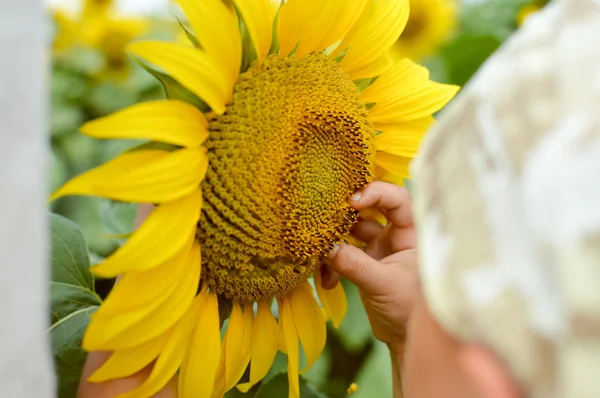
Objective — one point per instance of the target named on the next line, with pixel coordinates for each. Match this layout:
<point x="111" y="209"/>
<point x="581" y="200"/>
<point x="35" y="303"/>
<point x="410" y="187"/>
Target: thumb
<point x="368" y="274"/>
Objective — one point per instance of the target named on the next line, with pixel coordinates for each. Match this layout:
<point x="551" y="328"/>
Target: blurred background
<point x="92" y="77"/>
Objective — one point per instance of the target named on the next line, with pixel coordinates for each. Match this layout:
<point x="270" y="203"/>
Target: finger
<point x="143" y="211"/>
<point x="359" y="268"/>
<point x="329" y="277"/>
<point x="366" y="230"/>
<point x="386" y="197"/>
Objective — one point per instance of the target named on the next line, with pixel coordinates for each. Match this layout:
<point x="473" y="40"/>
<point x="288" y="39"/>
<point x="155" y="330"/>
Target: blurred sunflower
<point x="429" y="25"/>
<point x="97" y="27"/>
<point x="300" y="111"/>
<point x="530" y="9"/>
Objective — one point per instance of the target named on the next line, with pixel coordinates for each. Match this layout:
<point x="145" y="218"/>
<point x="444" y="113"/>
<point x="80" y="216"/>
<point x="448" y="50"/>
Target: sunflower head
<point x="429" y="25"/>
<point x="301" y="121"/>
<point x="271" y="125"/>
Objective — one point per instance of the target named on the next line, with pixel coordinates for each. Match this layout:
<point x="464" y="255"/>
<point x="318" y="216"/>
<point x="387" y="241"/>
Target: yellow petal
<point x="402" y="77"/>
<point x="333" y="301"/>
<point x="294" y="18"/>
<point x="258" y="16"/>
<point x="373" y="69"/>
<point x="172" y="355"/>
<point x="170" y="121"/>
<point x="398" y="165"/>
<point x="108" y="332"/>
<point x="136" y="290"/>
<point x="309" y="322"/>
<point x="216" y="27"/>
<point x="237" y="347"/>
<point x="166" y="230"/>
<point x="191" y="67"/>
<point x="142" y="177"/>
<point x="235" y="351"/>
<point x="280" y="335"/>
<point x="403" y="139"/>
<point x="291" y="344"/>
<point x="423" y="124"/>
<point x="345" y="16"/>
<point x="197" y="376"/>
<point x="378" y="28"/>
<point x="309" y="33"/>
<point x="405" y="93"/>
<point x="123" y="363"/>
<point x="264" y="345"/>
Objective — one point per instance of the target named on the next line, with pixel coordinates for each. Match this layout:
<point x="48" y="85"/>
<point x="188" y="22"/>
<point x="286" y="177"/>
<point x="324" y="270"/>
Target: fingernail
<point x="333" y="251"/>
<point x="356" y="197"/>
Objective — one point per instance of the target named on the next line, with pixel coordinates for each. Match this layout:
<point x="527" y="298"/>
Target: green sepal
<point x="275" y="43"/>
<point x="153" y="145"/>
<point x="248" y="51"/>
<point x="192" y="37"/>
<point x="174" y="90"/>
<point x="363" y="84"/>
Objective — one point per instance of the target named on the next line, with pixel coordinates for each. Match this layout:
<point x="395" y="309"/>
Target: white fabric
<point x="25" y="360"/>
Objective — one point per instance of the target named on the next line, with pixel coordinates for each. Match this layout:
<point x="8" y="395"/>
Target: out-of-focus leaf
<point x="277" y="387"/>
<point x="317" y="375"/>
<point x="491" y="17"/>
<point x="85" y="60"/>
<point x="108" y="97"/>
<point x="113" y="148"/>
<point x="437" y="68"/>
<point x="73" y="300"/>
<point x="67" y="85"/>
<point x="65" y="118"/>
<point x="466" y="54"/>
<point x="355" y="330"/>
<point x="116" y="218"/>
<point x="375" y="377"/>
<point x="81" y="151"/>
<point x="84" y="211"/>
<point x="59" y="171"/>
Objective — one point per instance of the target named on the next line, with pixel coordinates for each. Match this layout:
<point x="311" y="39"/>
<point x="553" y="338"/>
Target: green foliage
<point x="277" y="387"/>
<point x="73" y="300"/>
<point x="465" y="55"/>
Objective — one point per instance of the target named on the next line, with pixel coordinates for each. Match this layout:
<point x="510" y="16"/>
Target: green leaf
<point x="277" y="387"/>
<point x="70" y="258"/>
<point x="108" y="97"/>
<point x="73" y="300"/>
<point x="117" y="218"/>
<point x="466" y="54"/>
<point x="355" y="330"/>
<point x="65" y="118"/>
<point x="375" y="377"/>
<point x="491" y="17"/>
<point x="69" y="358"/>
<point x="59" y="171"/>
<point x="174" y="90"/>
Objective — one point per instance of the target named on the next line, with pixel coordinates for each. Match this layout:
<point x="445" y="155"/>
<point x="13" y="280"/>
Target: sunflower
<point x="98" y="28"/>
<point x="289" y="112"/>
<point x="429" y="25"/>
